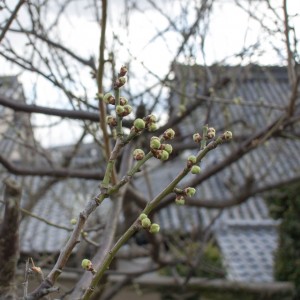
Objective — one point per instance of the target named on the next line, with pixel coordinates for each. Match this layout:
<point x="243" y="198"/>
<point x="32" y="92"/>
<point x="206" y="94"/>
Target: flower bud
<point x="180" y="200"/>
<point x="154" y="228"/>
<point x="164" y="155"/>
<point x="227" y="135"/>
<point x="197" y="137"/>
<point x="111" y="121"/>
<point x="123" y="101"/>
<point x="123" y="71"/>
<point x="139" y="124"/>
<point x="119" y="110"/>
<point x="120" y="82"/>
<point x="146" y="223"/>
<point x="142" y="217"/>
<point x="109" y="98"/>
<point x="152" y="127"/>
<point x="155" y="142"/>
<point x="138" y="154"/>
<point x="151" y="118"/>
<point x="211" y="129"/>
<point x="192" y="159"/>
<point x="127" y="110"/>
<point x="87" y="264"/>
<point x="169" y="134"/>
<point x="190" y="191"/>
<point x="73" y="221"/>
<point x="211" y="133"/>
<point x="168" y="148"/>
<point x="195" y="170"/>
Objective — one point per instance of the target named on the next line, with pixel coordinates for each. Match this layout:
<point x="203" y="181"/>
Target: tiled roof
<point x="61" y="203"/>
<point x="247" y="251"/>
<point x="254" y="97"/>
<point x="63" y="200"/>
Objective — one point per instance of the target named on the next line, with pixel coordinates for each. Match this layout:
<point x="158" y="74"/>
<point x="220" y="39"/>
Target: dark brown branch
<point x="64" y="113"/>
<point x="9" y="240"/>
<point x="59" y="172"/>
<point x="10" y="20"/>
<point x="293" y="76"/>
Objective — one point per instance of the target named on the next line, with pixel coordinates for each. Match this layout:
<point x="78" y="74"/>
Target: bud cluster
<point x="122" y="108"/>
<point x="146" y="223"/>
<point x="150" y="121"/>
<point x="159" y="150"/>
<point x="181" y="195"/>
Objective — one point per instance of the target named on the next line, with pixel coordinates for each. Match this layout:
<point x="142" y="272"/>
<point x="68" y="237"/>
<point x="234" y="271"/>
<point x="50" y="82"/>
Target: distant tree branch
<point x="64" y="113"/>
<point x="44" y="171"/>
<point x="10" y="20"/>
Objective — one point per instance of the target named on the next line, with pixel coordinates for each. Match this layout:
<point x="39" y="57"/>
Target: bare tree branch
<point x="10" y="20"/>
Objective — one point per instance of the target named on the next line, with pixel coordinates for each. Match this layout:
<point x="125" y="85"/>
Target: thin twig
<point x="10" y="20"/>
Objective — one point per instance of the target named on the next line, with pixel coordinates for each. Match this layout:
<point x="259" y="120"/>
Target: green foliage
<point x="211" y="260"/>
<point x="286" y="207"/>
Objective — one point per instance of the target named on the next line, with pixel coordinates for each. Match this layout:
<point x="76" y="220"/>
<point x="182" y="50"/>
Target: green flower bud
<point x="164" y="155"/>
<point x="169" y="134"/>
<point x="180" y="200"/>
<point x="111" y="121"/>
<point x="146" y="223"/>
<point x="138" y="154"/>
<point x="195" y="170"/>
<point x="127" y="110"/>
<point x="142" y="217"/>
<point x="86" y="264"/>
<point x="197" y="137"/>
<point x="154" y="228"/>
<point x="120" y="81"/>
<point x="119" y="110"/>
<point x="109" y="98"/>
<point x="155" y="142"/>
<point x="192" y="159"/>
<point x="152" y="127"/>
<point x="227" y="135"/>
<point x="139" y="124"/>
<point x="151" y="118"/>
<point x="168" y="148"/>
<point x="190" y="191"/>
<point x="123" y="101"/>
<point x="73" y="221"/>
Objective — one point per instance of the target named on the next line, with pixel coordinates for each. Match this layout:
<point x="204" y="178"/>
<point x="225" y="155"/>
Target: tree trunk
<point x="9" y="240"/>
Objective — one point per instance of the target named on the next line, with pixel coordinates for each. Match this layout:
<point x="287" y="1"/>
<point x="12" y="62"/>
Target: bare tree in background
<point x="79" y="81"/>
